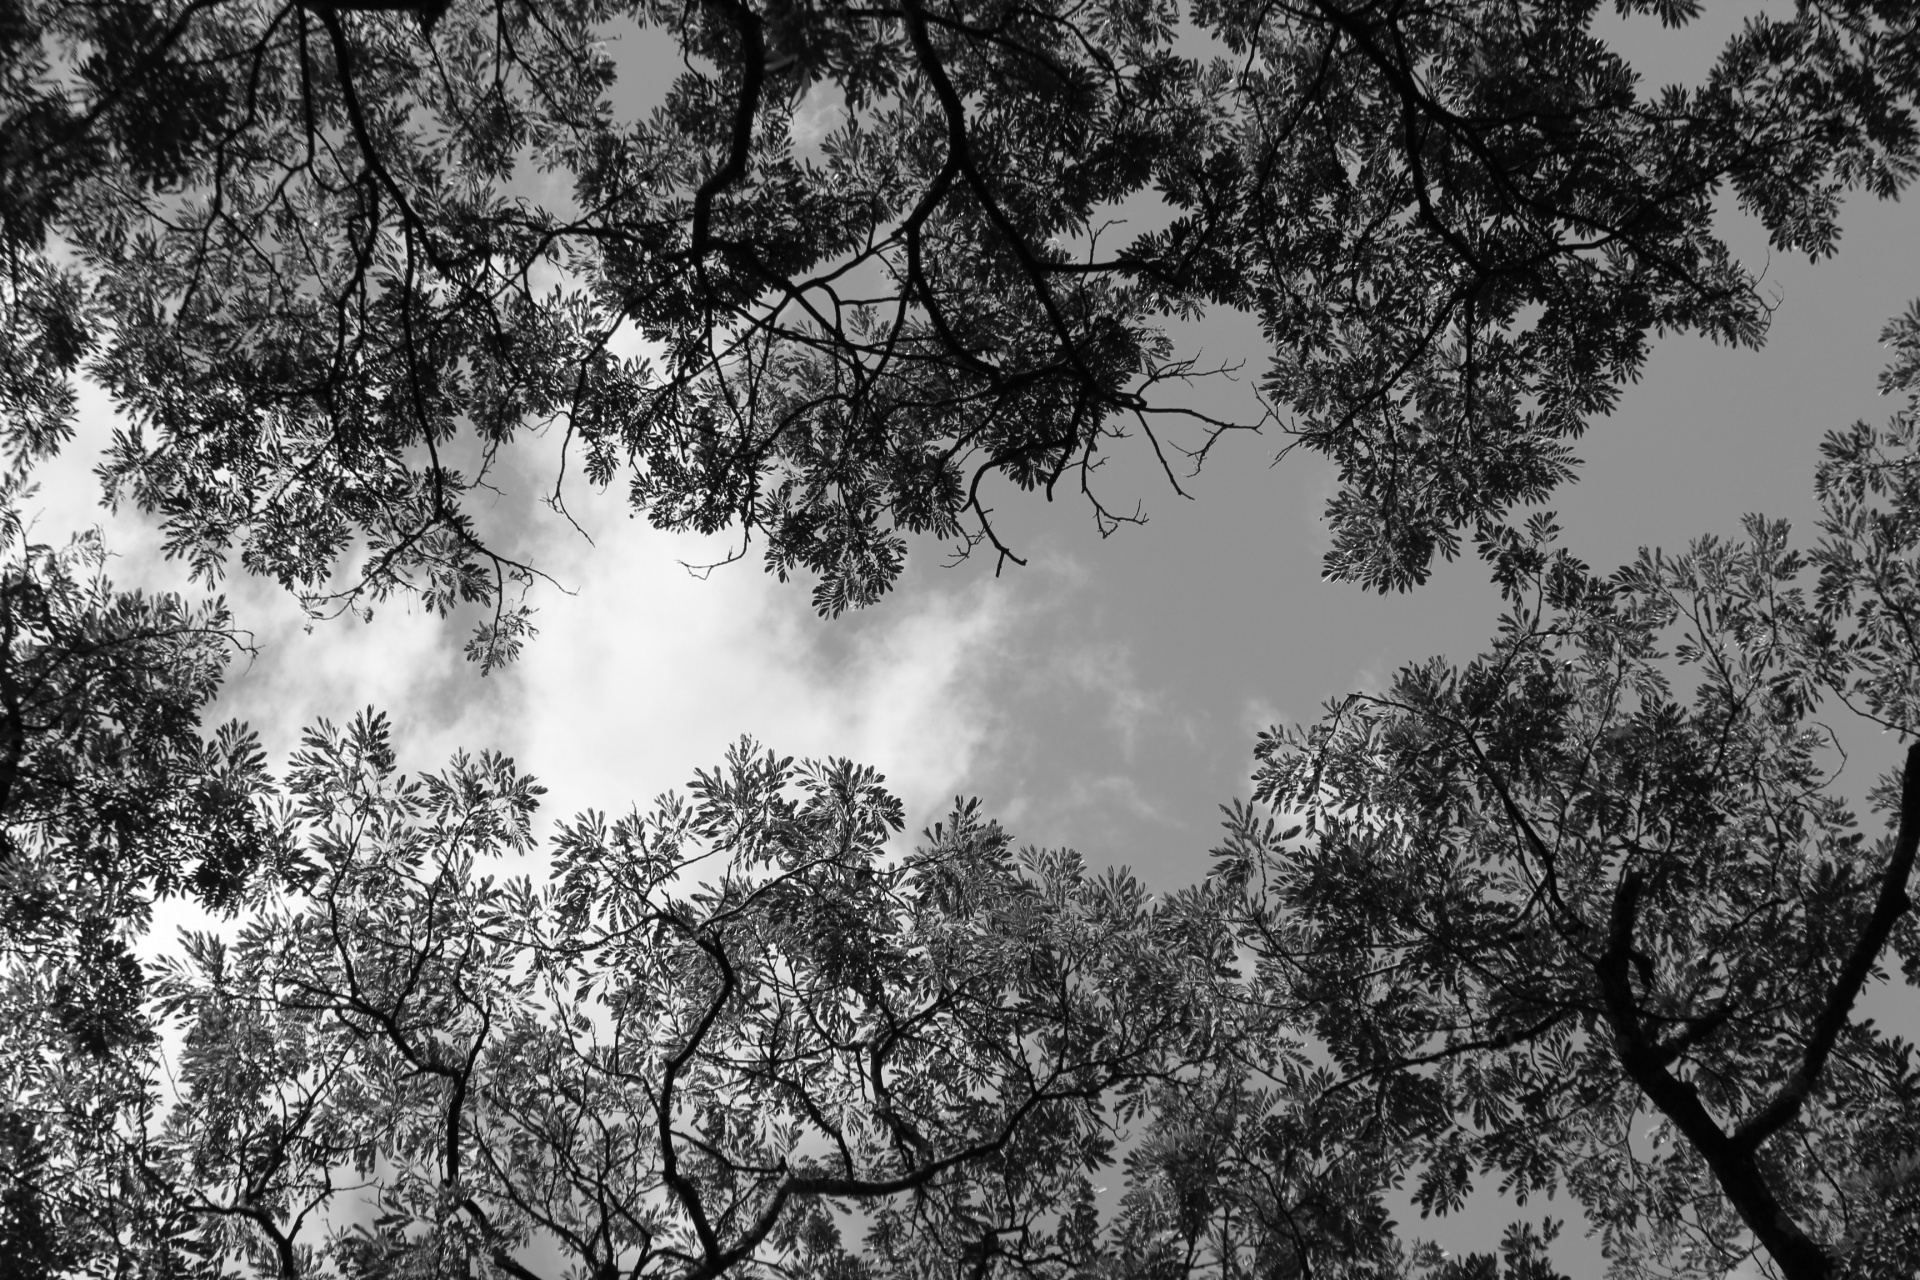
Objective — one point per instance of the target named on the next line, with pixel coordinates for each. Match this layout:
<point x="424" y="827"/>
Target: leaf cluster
<point x="1590" y="914"/>
<point x="109" y="799"/>
<point x="409" y="1065"/>
<point x="333" y="260"/>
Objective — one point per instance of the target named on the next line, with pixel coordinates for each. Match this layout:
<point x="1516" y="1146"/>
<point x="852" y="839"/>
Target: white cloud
<point x="641" y="675"/>
<point x="647" y="672"/>
<point x="818" y="114"/>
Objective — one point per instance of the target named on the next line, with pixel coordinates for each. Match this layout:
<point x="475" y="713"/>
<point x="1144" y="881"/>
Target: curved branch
<point x="753" y="72"/>
<point x="1733" y="1164"/>
<point x="1891" y="904"/>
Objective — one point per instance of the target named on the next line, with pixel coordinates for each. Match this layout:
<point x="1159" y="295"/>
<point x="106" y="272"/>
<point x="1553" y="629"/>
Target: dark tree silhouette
<point x="333" y="258"/>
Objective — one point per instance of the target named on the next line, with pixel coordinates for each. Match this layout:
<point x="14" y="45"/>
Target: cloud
<point x="1105" y="670"/>
<point x="1258" y="714"/>
<point x="646" y="672"/>
<point x="643" y="673"/>
<point x="404" y="662"/>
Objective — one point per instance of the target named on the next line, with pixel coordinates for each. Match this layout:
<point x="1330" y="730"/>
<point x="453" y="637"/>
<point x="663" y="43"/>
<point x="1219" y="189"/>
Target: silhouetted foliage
<point x="332" y="259"/>
<point x="1590" y="913"/>
<point x="109" y="798"/>
<point x="648" y="1077"/>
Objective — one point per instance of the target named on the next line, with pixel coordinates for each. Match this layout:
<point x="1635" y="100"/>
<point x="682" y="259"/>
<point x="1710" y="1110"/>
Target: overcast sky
<point x="1108" y="695"/>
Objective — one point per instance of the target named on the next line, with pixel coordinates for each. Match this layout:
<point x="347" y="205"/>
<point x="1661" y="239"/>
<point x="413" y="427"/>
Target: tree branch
<point x="753" y="72"/>
<point x="1887" y="910"/>
<point x="1734" y="1166"/>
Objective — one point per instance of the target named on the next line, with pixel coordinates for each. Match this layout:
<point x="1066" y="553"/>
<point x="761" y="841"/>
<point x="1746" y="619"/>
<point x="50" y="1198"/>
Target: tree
<point x="109" y="798"/>
<point x="304" y="247"/>
<point x="402" y="1063"/>
<point x="405" y="1065"/>
<point x="1604" y="875"/>
<point x="1601" y="878"/>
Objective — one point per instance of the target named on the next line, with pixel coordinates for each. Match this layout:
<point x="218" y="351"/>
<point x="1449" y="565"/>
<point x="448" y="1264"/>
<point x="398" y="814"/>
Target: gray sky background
<point x="1108" y="695"/>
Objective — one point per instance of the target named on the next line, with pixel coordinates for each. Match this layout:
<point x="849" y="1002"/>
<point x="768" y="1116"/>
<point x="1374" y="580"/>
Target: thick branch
<point x="960" y="152"/>
<point x="682" y="1186"/>
<point x="753" y="71"/>
<point x="1887" y="910"/>
<point x="1734" y="1166"/>
<point x="497" y="1244"/>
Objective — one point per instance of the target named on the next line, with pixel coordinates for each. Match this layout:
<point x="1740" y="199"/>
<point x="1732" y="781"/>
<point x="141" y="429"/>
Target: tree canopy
<point x="1590" y="916"/>
<point x="859" y="267"/>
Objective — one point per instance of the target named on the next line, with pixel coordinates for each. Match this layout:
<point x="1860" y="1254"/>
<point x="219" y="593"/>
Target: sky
<point x="1106" y="696"/>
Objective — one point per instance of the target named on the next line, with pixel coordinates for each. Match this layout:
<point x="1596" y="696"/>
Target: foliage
<point x="109" y="798"/>
<point x="410" y="1066"/>
<point x="332" y="260"/>
<point x="1592" y="914"/>
<point x="1589" y="915"/>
